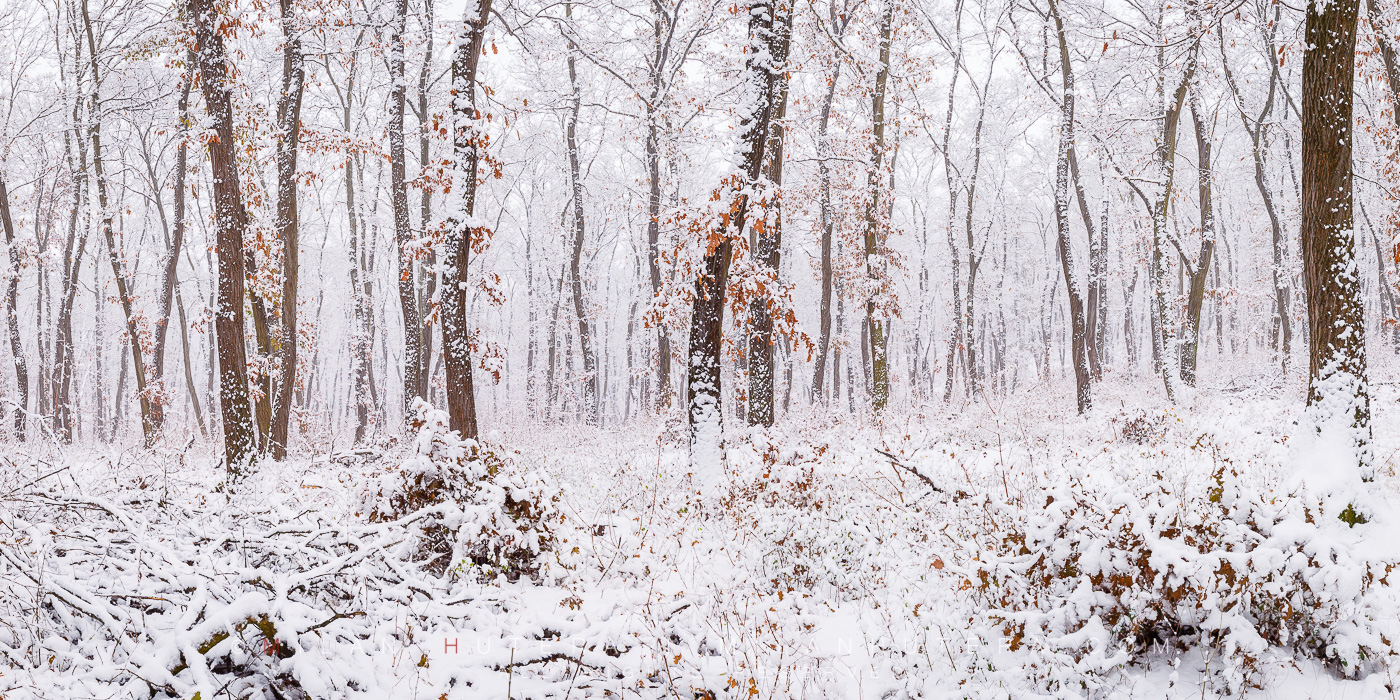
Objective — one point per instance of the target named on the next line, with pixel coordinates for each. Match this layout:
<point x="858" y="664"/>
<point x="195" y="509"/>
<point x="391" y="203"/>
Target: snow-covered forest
<point x="699" y="349"/>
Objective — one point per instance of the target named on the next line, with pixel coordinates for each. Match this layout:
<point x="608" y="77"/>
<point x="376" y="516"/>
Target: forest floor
<point x="1003" y="548"/>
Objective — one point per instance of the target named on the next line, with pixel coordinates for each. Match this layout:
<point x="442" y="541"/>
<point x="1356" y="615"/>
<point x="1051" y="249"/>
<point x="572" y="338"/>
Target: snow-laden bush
<point x="494" y="520"/>
<point x="1091" y="572"/>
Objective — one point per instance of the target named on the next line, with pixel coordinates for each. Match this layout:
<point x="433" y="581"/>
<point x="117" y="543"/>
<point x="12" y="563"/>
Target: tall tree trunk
<point x="767" y="246"/>
<point x="1339" y="403"/>
<point x="413" y="371"/>
<point x="426" y="201"/>
<point x="876" y="229"/>
<point x="585" y="335"/>
<point x="703" y="386"/>
<point x="72" y="264"/>
<point x="1197" y="271"/>
<point x="231" y="219"/>
<point x="828" y="216"/>
<point x="12" y="313"/>
<point x="289" y="124"/>
<point x="1162" y="337"/>
<point x="1079" y="332"/>
<point x="124" y="294"/>
<point x="461" y="225"/>
<point x="169" y="280"/>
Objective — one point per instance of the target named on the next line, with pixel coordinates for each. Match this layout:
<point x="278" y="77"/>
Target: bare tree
<point x="124" y="294"/>
<point x="289" y="139"/>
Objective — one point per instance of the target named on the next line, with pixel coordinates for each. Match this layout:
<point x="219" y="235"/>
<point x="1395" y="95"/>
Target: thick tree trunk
<point x="1338" y="400"/>
<point x="231" y="219"/>
<point x="461" y="225"/>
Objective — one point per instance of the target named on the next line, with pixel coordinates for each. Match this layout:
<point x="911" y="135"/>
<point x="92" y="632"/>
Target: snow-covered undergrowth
<point x="1006" y="550"/>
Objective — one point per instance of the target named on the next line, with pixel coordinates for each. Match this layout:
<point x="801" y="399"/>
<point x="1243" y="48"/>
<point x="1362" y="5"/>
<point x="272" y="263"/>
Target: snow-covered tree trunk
<point x="1339" y="406"/>
<point x="230" y="218"/>
<point x="1079" y="332"/>
<point x="461" y="225"/>
<point x="12" y="313"/>
<point x="763" y="78"/>
<point x="874" y="235"/>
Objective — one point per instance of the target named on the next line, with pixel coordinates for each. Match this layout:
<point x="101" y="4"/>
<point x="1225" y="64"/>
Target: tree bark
<point x="585" y="334"/>
<point x="1197" y="271"/>
<point x="767" y="247"/>
<point x="462" y="228"/>
<point x="231" y="219"/>
<point x="169" y="279"/>
<point x="288" y="224"/>
<point x="413" y="371"/>
<point x="1079" y="334"/>
<point x="875" y="226"/>
<point x="148" y="428"/>
<point x="1338" y="399"/>
<point x="12" y="314"/>
<point x="703" y="385"/>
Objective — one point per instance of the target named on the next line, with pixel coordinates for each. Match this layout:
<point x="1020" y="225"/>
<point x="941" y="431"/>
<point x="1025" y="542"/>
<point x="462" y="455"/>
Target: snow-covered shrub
<point x="1091" y="572"/>
<point x="483" y="514"/>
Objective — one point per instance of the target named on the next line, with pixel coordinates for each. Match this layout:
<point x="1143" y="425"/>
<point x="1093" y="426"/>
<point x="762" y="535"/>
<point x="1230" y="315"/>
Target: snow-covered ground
<point x="1007" y="548"/>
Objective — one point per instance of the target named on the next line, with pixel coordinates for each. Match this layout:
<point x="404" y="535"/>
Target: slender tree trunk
<point x="1339" y="403"/>
<point x="288" y="224"/>
<point x="426" y="202"/>
<point x="828" y="220"/>
<point x="12" y="314"/>
<point x="169" y="280"/>
<point x="1079" y="333"/>
<point x="148" y="429"/>
<point x="413" y="370"/>
<point x="585" y="335"/>
<point x="231" y="219"/>
<point x="1198" y="271"/>
<point x="875" y="228"/>
<point x="462" y="227"/>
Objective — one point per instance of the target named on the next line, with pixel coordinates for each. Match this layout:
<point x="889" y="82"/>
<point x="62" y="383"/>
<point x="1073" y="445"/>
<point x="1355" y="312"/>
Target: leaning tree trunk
<point x="763" y="82"/>
<point x="875" y="227"/>
<point x="461" y="226"/>
<point x="240" y="439"/>
<point x="1079" y="333"/>
<point x="1339" y="404"/>
<point x="289" y="124"/>
<point x="767" y="247"/>
<point x="12" y="313"/>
